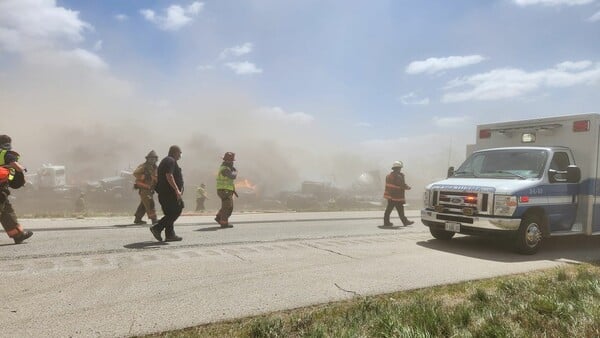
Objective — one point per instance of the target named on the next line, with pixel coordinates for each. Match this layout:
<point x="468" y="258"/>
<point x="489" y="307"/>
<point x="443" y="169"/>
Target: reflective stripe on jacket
<point x="394" y="187"/>
<point x="224" y="182"/>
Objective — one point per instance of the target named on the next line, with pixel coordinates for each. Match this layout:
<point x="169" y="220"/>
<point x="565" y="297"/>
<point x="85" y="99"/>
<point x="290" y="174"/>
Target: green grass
<point x="561" y="302"/>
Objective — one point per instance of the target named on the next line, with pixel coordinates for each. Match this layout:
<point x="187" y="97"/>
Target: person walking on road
<point x="169" y="187"/>
<point x="145" y="182"/>
<point x="226" y="189"/>
<point x="80" y="208"/>
<point x="201" y="196"/>
<point x="395" y="186"/>
<point x="11" y="176"/>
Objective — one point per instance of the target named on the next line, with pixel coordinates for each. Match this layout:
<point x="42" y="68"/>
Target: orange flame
<point x="245" y="183"/>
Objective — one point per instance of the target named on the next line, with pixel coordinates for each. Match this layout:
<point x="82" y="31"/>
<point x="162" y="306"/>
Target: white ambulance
<point x="528" y="179"/>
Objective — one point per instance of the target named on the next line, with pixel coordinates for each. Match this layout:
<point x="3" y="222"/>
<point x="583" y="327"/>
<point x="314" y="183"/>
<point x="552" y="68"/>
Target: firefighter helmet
<point x="5" y="142"/>
<point x="229" y="157"/>
<point x="152" y="153"/>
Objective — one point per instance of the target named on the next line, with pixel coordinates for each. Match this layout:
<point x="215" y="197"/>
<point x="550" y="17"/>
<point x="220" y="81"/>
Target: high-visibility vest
<point x="224" y="182"/>
<point x="200" y="192"/>
<point x="11" y="171"/>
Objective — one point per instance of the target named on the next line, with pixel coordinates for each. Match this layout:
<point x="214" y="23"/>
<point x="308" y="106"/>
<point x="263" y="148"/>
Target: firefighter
<point x="145" y="182"/>
<point x="226" y="189"/>
<point x="80" y="208"/>
<point x="395" y="186"/>
<point x="201" y="196"/>
<point x="11" y="175"/>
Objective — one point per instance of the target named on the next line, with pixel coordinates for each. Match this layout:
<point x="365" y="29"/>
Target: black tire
<point x="441" y="234"/>
<point x="529" y="236"/>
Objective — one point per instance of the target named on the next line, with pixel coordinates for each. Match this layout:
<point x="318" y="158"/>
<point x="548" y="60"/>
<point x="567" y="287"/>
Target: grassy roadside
<point x="561" y="302"/>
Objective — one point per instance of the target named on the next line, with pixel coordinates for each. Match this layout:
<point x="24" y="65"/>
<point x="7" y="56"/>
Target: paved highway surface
<point x="106" y="277"/>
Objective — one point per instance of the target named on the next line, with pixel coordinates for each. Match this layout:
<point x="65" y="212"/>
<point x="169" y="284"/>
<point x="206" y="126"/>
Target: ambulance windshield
<point x="505" y="164"/>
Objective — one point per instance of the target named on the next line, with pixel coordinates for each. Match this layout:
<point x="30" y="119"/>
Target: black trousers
<point x="388" y="210"/>
<point x="171" y="209"/>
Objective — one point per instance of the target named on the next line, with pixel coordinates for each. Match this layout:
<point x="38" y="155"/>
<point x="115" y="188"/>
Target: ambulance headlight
<point x="505" y="205"/>
<point x="426" y="200"/>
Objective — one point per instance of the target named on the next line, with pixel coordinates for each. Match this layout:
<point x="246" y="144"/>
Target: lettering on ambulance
<point x="463" y="188"/>
<point x="557" y="201"/>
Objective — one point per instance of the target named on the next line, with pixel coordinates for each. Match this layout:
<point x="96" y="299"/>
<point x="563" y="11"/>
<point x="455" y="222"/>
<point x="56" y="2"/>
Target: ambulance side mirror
<point x="450" y="172"/>
<point x="573" y="174"/>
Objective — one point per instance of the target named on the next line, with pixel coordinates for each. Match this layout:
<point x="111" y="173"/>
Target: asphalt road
<point x="106" y="277"/>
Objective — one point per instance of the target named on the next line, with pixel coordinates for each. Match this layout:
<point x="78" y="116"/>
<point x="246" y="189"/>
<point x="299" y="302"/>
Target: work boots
<point x="139" y="221"/>
<point x="224" y="222"/>
<point x="156" y="232"/>
<point x="23" y="236"/>
<point x="173" y="238"/>
<point x="170" y="235"/>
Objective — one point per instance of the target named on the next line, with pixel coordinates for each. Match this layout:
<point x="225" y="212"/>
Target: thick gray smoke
<point x="97" y="125"/>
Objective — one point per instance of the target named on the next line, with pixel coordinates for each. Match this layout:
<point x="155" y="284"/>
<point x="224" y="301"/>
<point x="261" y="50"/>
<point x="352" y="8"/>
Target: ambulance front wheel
<point x="441" y="234"/>
<point x="529" y="235"/>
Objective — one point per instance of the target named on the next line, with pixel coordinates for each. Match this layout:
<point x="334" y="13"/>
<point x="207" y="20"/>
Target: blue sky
<point x="378" y="81"/>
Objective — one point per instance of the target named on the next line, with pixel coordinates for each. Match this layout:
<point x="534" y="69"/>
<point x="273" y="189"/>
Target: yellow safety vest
<point x="224" y="182"/>
<point x="11" y="174"/>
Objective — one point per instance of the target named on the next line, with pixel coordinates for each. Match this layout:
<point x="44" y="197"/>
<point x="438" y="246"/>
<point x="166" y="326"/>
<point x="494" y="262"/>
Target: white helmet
<point x="397" y="164"/>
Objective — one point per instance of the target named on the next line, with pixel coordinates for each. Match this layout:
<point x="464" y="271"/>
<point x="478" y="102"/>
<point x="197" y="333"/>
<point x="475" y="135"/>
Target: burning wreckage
<point x="49" y="191"/>
<point x="364" y="193"/>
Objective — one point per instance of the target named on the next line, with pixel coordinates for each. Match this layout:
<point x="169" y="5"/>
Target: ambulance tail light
<point x="485" y="133"/>
<point x="583" y="125"/>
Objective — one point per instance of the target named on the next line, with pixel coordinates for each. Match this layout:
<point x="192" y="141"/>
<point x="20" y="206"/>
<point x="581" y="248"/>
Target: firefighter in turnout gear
<point x="201" y="196"/>
<point x="395" y="186"/>
<point x="11" y="176"/>
<point x="226" y="189"/>
<point x="145" y="182"/>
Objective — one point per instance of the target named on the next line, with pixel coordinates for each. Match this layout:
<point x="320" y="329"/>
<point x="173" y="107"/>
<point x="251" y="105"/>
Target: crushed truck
<point x="528" y="180"/>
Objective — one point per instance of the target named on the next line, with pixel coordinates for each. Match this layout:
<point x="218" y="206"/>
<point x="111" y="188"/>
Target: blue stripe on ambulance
<point x="557" y="200"/>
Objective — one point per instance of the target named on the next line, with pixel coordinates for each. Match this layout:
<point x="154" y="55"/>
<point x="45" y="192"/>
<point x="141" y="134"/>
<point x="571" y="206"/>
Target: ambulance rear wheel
<point x="529" y="236"/>
<point x="441" y="234"/>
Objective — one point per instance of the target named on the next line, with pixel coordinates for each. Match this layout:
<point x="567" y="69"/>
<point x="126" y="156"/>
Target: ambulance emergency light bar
<point x="529" y="135"/>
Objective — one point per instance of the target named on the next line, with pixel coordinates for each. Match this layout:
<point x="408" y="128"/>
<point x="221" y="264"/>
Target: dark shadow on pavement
<point x="131" y="225"/>
<point x="213" y="228"/>
<point x="393" y="227"/>
<point x="145" y="245"/>
<point x="576" y="247"/>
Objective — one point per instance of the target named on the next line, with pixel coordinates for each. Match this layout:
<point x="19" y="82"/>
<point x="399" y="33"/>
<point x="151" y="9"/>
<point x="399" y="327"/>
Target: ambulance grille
<point x="460" y="202"/>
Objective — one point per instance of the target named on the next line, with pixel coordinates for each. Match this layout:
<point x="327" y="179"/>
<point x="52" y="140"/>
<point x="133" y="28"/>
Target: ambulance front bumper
<point x="433" y="218"/>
